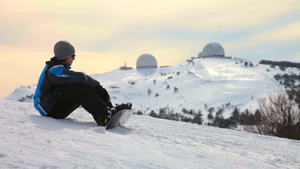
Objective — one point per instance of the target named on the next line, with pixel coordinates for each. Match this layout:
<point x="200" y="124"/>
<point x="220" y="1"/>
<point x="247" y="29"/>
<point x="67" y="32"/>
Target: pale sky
<point x="106" y="34"/>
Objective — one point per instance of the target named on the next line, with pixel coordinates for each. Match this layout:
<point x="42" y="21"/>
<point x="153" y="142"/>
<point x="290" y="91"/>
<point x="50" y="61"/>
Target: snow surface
<point x="32" y="141"/>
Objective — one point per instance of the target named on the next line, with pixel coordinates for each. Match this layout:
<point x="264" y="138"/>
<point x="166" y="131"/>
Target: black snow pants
<point x="77" y="95"/>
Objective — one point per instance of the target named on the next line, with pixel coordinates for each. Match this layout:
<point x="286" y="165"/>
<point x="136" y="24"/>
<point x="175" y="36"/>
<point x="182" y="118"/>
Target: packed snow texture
<point x="32" y="141"/>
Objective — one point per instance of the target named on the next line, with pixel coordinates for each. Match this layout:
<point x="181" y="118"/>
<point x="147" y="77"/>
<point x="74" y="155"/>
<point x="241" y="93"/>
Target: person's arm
<point x="60" y="75"/>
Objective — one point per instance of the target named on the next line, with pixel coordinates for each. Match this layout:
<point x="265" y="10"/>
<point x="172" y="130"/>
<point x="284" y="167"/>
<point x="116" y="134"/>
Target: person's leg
<point x="75" y="96"/>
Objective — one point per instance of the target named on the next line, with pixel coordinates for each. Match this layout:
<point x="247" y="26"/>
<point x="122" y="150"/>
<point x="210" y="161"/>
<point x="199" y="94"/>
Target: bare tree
<point x="279" y="116"/>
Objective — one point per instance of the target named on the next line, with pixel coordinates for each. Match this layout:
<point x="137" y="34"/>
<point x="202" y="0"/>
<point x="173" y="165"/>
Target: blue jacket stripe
<point x="38" y="94"/>
<point x="58" y="71"/>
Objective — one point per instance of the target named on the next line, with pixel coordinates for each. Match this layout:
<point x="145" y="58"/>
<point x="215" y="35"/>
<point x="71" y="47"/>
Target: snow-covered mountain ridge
<point x="194" y="84"/>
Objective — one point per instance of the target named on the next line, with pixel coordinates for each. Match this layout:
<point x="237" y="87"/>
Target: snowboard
<point x="119" y="119"/>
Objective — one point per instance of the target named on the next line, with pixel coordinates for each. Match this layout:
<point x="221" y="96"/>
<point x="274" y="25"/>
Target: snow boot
<point x="104" y="120"/>
<point x="120" y="107"/>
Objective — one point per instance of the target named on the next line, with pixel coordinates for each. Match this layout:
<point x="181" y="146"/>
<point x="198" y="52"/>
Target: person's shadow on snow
<point x="48" y="123"/>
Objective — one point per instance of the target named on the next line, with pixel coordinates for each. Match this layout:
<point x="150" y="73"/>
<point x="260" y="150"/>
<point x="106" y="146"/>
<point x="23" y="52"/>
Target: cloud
<point x="283" y="33"/>
<point x="118" y="31"/>
<point x="244" y="14"/>
<point x="96" y="20"/>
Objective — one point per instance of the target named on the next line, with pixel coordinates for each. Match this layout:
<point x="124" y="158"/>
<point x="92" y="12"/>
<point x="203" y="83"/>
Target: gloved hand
<point x="102" y="93"/>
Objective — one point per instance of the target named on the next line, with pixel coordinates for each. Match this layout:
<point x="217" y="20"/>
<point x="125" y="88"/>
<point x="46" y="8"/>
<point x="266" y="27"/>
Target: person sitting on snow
<point x="60" y="91"/>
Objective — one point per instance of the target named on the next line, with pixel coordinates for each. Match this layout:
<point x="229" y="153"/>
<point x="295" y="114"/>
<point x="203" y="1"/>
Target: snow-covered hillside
<point x="213" y="82"/>
<point x="29" y="140"/>
<point x="194" y="84"/>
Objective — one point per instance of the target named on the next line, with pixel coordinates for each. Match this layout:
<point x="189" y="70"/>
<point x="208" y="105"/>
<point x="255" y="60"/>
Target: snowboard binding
<point x="111" y="112"/>
<point x="120" y="107"/>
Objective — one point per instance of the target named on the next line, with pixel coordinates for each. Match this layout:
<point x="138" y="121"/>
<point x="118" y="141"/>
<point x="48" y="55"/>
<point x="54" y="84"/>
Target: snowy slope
<point x="32" y="141"/>
<point x="214" y="82"/>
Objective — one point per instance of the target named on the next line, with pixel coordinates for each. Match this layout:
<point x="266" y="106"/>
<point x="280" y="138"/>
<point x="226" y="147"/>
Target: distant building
<point x="146" y="61"/>
<point x="164" y="66"/>
<point x="125" y="67"/>
<point x="212" y="50"/>
<point x="200" y="55"/>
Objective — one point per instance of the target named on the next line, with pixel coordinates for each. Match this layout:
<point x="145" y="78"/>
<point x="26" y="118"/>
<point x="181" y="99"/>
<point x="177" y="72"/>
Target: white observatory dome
<point x="213" y="49"/>
<point x="146" y="61"/>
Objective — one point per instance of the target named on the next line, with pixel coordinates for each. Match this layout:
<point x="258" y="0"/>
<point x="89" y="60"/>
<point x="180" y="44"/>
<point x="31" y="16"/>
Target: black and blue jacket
<point x="55" y="78"/>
